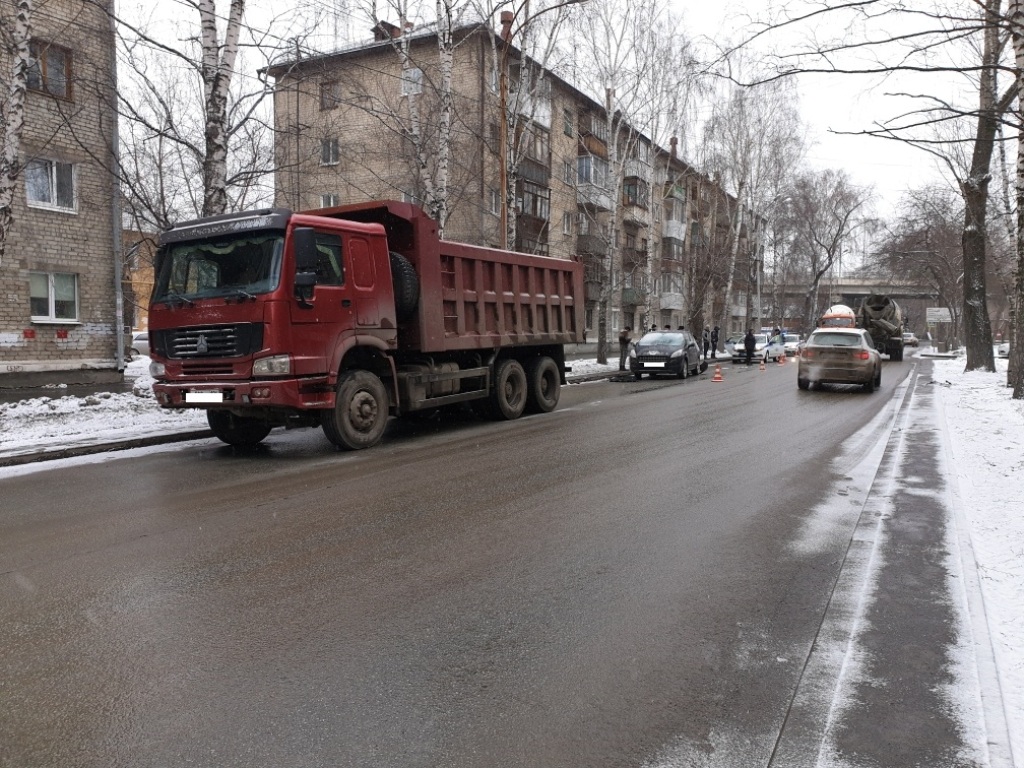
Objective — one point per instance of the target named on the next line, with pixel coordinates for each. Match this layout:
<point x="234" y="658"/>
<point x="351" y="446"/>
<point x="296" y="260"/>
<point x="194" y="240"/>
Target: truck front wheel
<point x="235" y="430"/>
<point x="508" y="397"/>
<point x="360" y="412"/>
<point x="545" y="384"/>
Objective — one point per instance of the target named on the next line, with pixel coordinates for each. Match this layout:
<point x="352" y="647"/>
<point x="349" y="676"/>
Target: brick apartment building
<point x="59" y="312"/>
<point x="642" y="225"/>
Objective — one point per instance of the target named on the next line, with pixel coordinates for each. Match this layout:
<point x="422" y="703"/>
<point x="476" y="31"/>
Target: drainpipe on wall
<point x="115" y="211"/>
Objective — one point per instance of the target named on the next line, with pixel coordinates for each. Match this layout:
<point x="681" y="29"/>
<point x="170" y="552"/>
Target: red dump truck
<point x="340" y="317"/>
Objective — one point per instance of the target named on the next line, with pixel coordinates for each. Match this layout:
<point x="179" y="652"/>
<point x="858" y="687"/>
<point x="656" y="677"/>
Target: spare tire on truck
<point x="406" y="284"/>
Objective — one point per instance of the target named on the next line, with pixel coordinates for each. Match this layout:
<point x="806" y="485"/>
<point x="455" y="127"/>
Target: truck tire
<point x="508" y="395"/>
<point x="234" y="430"/>
<point x="545" y="385"/>
<point x="360" y="412"/>
<point x="406" y="284"/>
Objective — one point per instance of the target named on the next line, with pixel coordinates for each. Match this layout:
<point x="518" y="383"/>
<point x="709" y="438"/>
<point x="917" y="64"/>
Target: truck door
<point x="329" y="313"/>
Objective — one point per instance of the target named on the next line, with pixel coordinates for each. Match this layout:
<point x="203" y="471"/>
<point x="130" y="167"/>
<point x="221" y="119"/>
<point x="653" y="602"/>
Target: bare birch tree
<point x="823" y="206"/>
<point x="929" y="41"/>
<point x="15" y="35"/>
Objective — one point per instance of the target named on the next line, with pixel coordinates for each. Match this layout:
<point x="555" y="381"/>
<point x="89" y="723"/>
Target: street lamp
<point x="507" y="33"/>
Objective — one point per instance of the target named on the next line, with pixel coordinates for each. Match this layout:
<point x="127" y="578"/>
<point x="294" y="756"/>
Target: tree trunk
<point x="1015" y="374"/>
<point x="977" y="328"/>
<point x="14" y="119"/>
<point x="218" y="67"/>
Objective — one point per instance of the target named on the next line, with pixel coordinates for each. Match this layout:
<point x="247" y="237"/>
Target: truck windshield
<point x="230" y="266"/>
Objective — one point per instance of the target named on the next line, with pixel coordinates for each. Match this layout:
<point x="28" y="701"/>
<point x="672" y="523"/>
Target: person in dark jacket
<point x="714" y="341"/>
<point x="749" y="343"/>
<point x="625" y="339"/>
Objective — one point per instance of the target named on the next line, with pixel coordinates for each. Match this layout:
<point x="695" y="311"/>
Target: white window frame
<point x="494" y="201"/>
<point x="412" y="81"/>
<point x="329" y="152"/>
<point x="567" y="219"/>
<point x="51" y="168"/>
<point x="51" y="293"/>
<point x="328" y="200"/>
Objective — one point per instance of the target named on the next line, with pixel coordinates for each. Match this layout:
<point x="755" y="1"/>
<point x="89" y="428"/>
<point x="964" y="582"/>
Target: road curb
<point x="88" y="450"/>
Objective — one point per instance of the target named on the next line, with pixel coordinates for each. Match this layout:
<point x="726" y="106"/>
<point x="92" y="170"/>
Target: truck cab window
<point x="329" y="269"/>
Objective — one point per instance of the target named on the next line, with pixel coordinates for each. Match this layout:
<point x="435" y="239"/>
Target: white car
<point x="140" y="344"/>
<point x="1003" y="350"/>
<point x="792" y="343"/>
<point x="732" y="342"/>
<point x="765" y="348"/>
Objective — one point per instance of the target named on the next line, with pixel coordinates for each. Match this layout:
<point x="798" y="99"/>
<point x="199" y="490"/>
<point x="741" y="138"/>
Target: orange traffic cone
<point x="782" y="359"/>
<point x="761" y="366"/>
<point x="718" y="374"/>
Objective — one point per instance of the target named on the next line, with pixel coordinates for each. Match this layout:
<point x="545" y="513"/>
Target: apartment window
<point x="631" y="241"/>
<point x="568" y="172"/>
<point x="495" y="202"/>
<point x="328" y="200"/>
<point x="591" y="170"/>
<point x="409" y="197"/>
<point x="50" y="184"/>
<point x="537" y="145"/>
<point x="567" y="223"/>
<point x="328" y="152"/>
<point x="536" y="200"/>
<point x="330" y="94"/>
<point x="634" y="192"/>
<point x="584" y="224"/>
<point x="568" y="122"/>
<point x="50" y="69"/>
<point x="53" y="296"/>
<point x="412" y="81"/>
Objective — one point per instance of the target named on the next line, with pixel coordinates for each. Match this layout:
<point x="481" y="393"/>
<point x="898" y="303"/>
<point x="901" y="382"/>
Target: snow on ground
<point x="985" y="436"/>
<point x="57" y="421"/>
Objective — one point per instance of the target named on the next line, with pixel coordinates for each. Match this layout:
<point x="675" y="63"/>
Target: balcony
<point x="595" y="244"/>
<point x="671" y="300"/>
<point x="532" y="170"/>
<point x="592" y="145"/>
<point x="593" y="196"/>
<point x="674" y="229"/>
<point x="634" y="214"/>
<point x="633" y="297"/>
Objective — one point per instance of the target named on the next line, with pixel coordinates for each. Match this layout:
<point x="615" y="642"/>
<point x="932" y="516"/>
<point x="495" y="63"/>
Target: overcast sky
<point x="839" y="103"/>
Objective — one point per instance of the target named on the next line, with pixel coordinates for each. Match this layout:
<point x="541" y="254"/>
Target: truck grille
<point x="210" y="341"/>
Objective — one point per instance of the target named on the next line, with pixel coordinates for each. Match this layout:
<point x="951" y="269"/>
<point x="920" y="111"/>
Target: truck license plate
<point x="204" y="397"/>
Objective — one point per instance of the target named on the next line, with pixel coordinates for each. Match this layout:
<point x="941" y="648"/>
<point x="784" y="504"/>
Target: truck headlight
<point x="157" y="370"/>
<point x="278" y="365"/>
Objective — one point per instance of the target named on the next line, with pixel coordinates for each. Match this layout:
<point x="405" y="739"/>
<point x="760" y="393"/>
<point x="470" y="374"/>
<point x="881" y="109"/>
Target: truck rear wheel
<point x="545" y="385"/>
<point x="508" y="395"/>
<point x="360" y="412"/>
<point x="235" y="430"/>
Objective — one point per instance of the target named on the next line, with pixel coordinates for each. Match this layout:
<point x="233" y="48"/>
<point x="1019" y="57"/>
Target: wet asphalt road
<point x="613" y="584"/>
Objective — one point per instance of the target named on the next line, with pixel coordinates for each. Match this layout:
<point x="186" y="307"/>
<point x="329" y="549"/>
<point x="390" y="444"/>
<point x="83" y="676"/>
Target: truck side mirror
<point x="304" y="248"/>
<point x="306" y="258"/>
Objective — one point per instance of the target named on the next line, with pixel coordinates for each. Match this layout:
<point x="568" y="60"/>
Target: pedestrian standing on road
<point x="749" y="342"/>
<point x="625" y="338"/>
<point x="706" y="338"/>
<point x="714" y="342"/>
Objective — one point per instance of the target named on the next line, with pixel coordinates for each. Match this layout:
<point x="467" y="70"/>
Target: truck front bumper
<point x="297" y="394"/>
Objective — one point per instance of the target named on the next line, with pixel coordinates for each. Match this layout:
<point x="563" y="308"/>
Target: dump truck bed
<point x="472" y="297"/>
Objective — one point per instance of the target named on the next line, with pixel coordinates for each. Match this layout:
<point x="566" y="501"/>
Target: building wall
<point x="375" y="161"/>
<point x="81" y="241"/>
